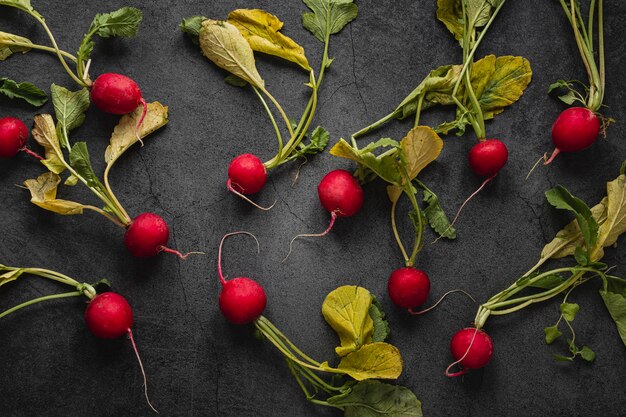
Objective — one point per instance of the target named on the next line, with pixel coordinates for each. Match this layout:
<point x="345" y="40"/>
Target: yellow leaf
<point x="223" y="44"/>
<point x="45" y="134"/>
<point x="124" y="136"/>
<point x="450" y="12"/>
<point x="346" y="310"/>
<point x="8" y="45"/>
<point x="394" y="192"/>
<point x="10" y="276"/>
<point x="420" y="147"/>
<point x="43" y="191"/>
<point x="615" y="223"/>
<point x="373" y="361"/>
<point x="261" y="30"/>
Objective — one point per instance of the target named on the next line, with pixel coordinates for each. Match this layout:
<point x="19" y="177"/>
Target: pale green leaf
<point x="373" y="361"/>
<point x="328" y="16"/>
<point x="386" y="167"/>
<point x="569" y="311"/>
<point x="552" y="333"/>
<point x="613" y="294"/>
<point x="80" y="161"/>
<point x="191" y="26"/>
<point x="615" y="223"/>
<point x="69" y="106"/>
<point x="560" y="198"/>
<point x="10" y="44"/>
<point x="450" y="13"/>
<point x="436" y="216"/>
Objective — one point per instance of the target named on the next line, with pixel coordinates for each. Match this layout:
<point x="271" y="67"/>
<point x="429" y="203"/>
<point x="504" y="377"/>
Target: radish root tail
<point x="333" y="218"/>
<point x="143" y="372"/>
<point x="179" y="254"/>
<point x="144" y="110"/>
<point x="463" y="371"/>
<point x="417" y="313"/>
<point x="219" y="251"/>
<point x="31" y="153"/>
<point x="554" y="155"/>
<point x="232" y="189"/>
<point x="543" y="158"/>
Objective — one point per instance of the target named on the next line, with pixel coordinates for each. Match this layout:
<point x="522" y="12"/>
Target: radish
<point x="341" y="195"/>
<point x="147" y="235"/>
<point x="575" y="129"/>
<point x="408" y="287"/>
<point x="117" y="94"/>
<point x="247" y="175"/>
<point x="242" y="300"/>
<point x="13" y="137"/>
<point x="471" y="348"/>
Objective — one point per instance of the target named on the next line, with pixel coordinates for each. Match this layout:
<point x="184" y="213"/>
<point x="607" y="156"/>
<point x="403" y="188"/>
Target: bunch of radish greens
<point x="584" y="240"/>
<point x="355" y="314"/>
<point x="231" y="44"/>
<point x="578" y="127"/>
<point x="107" y="316"/>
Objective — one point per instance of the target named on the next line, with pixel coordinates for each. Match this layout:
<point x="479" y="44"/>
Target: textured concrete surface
<point x="197" y="364"/>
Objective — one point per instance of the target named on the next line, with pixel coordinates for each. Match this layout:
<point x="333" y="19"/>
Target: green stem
<point x="592" y="9"/>
<point x="286" y="340"/>
<point x="80" y="65"/>
<point x="418" y="110"/>
<point x="272" y="120"/>
<point x="53" y="275"/>
<point x="107" y="215"/>
<point x="40" y="299"/>
<point x="601" y="52"/>
<point x="280" y="110"/>
<point x="39" y="47"/>
<point x="374" y="125"/>
<point x="395" y="232"/>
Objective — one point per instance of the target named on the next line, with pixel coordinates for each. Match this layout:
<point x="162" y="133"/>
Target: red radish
<point x="118" y="94"/>
<point x="471" y="349"/>
<point x="408" y="287"/>
<point x="147" y="235"/>
<point x="575" y="129"/>
<point x="109" y="316"/>
<point x="247" y="175"/>
<point x="13" y="137"/>
<point x="340" y="194"/>
<point x="242" y="300"/>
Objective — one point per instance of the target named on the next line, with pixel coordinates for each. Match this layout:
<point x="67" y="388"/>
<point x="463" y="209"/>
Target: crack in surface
<point x="538" y="216"/>
<point x="151" y="189"/>
<point x="356" y="84"/>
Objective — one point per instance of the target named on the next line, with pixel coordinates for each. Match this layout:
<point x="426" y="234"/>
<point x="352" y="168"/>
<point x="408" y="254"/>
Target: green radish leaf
<point x="552" y="333"/>
<point x="615" y="223"/>
<point x="328" y="17"/>
<point x="317" y="143"/>
<point x="45" y="134"/>
<point x="25" y="91"/>
<point x="43" y="191"/>
<point x="8" y="45"/>
<point x="587" y="354"/>
<point x="436" y="216"/>
<point x="373" y="361"/>
<point x="9" y="276"/>
<point x="346" y="310"/>
<point x="69" y="106"/>
<point x="191" y="26"/>
<point x="80" y="161"/>
<point x="562" y="358"/>
<point x="223" y="44"/>
<point x="381" y="326"/>
<point x="262" y="31"/>
<point x="560" y="198"/>
<point x="581" y="256"/>
<point x="20" y="4"/>
<point x="235" y="81"/>
<point x="377" y="399"/>
<point x="613" y="294"/>
<point x="386" y="167"/>
<point x="124" y="135"/>
<point x="548" y="282"/>
<point x="569" y="311"/>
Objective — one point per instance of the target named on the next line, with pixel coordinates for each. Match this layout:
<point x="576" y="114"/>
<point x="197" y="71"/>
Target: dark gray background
<point x="197" y="364"/>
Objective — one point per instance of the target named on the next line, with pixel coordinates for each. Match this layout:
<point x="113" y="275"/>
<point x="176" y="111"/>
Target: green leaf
<point x="386" y="167"/>
<point x="560" y="198"/>
<point x="587" y="354"/>
<point x="436" y="216"/>
<point x="549" y="281"/>
<point x="317" y="143"/>
<point x="45" y="134"/>
<point x="9" y="276"/>
<point x="381" y="326"/>
<point x="20" y="4"/>
<point x="328" y="17"/>
<point x="124" y="135"/>
<point x="235" y="81"/>
<point x="615" y="223"/>
<point x="43" y="191"/>
<point x="123" y="22"/>
<point x="569" y="311"/>
<point x="191" y="26"/>
<point x="450" y="13"/>
<point x="346" y="310"/>
<point x="572" y="94"/>
<point x="25" y="91"/>
<point x="377" y="399"/>
<point x="80" y="161"/>
<point x="262" y="31"/>
<point x="613" y="294"/>
<point x="562" y="358"/>
<point x="69" y="106"/>
<point x="8" y="45"/>
<point x="223" y="44"/>
<point x="552" y="333"/>
<point x="373" y="361"/>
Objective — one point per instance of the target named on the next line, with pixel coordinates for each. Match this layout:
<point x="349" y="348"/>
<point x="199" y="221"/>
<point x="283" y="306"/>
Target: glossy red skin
<point x="247" y="174"/>
<point x="575" y="129"/>
<point x="242" y="300"/>
<point x="488" y="157"/>
<point x="146" y="235"/>
<point x="13" y="136"/>
<point x="108" y="316"/>
<point x="340" y="192"/>
<point x="479" y="354"/>
<point x="408" y="287"/>
<point x="115" y="93"/>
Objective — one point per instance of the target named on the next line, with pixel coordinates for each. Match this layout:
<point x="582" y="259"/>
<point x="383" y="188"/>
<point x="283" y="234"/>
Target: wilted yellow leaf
<point x="373" y="361"/>
<point x="8" y="45"/>
<point x="420" y="147"/>
<point x="43" y="191"/>
<point x="45" y="134"/>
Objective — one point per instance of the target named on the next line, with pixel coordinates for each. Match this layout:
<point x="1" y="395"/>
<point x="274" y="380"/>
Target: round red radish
<point x="242" y="300"/>
<point x="575" y="129"/>
<point x="146" y="236"/>
<point x="488" y="157"/>
<point x="109" y="316"/>
<point x="116" y="93"/>
<point x="13" y="136"/>
<point x="476" y="356"/>
<point x="340" y="193"/>
<point x="408" y="287"/>
<point x="247" y="174"/>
